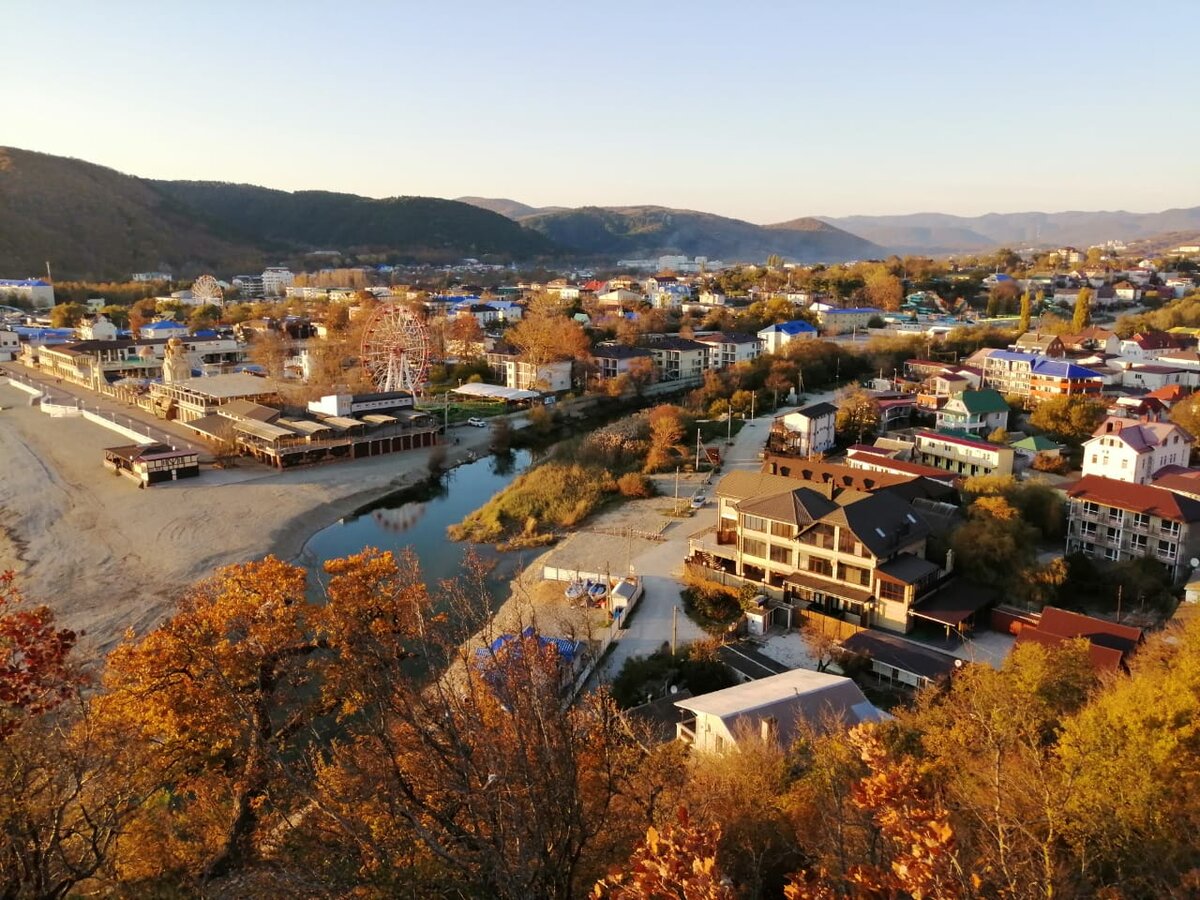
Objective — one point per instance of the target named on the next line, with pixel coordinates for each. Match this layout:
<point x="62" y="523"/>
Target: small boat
<point x="575" y="590"/>
<point x="597" y="590"/>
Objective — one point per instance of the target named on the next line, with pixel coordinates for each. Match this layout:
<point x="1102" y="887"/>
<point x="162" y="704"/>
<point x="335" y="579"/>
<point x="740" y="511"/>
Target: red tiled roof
<point x="888" y="464"/>
<point x="1141" y="498"/>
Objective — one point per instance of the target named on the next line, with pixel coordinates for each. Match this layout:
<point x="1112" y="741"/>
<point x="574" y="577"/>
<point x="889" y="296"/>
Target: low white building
<point x="845" y="321"/>
<point x="1134" y="450"/>
<point x="550" y="377"/>
<point x="38" y="293"/>
<point x="776" y="337"/>
<point x="730" y="348"/>
<point x="10" y="345"/>
<point x="770" y="709"/>
<point x="97" y="329"/>
<point x="276" y="280"/>
<point x="346" y="405"/>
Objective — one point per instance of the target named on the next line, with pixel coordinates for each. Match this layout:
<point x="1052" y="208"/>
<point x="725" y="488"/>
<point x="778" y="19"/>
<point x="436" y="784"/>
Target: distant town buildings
<point x="32" y="291"/>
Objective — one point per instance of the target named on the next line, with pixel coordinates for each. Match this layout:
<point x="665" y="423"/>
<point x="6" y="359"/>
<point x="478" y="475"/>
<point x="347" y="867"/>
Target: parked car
<point x="477" y="422"/>
<point x="698" y="501"/>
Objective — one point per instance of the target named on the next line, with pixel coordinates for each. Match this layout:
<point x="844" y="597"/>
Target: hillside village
<point x="929" y="474"/>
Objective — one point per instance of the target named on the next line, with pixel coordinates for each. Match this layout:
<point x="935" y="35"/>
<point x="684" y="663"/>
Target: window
<point x="855" y="575"/>
<point x="1141" y="520"/>
<point x="783" y="529"/>
<point x="819" y="566"/>
<point x="1090" y="508"/>
<point x="754" y="523"/>
<point x="781" y="554"/>
<point x="1171" y="528"/>
<point x="1088" y="529"/>
<point x="752" y="547"/>
<point x="1138" y="542"/>
<point x="891" y="591"/>
<point x="1111" y="553"/>
<point x="1166" y="549"/>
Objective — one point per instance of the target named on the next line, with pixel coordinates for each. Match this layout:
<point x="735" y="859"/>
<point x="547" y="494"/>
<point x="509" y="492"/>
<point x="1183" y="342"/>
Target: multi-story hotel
<point x="1036" y="378"/>
<point x="856" y="555"/>
<point x="1135" y="450"/>
<point x="1116" y="520"/>
<point x="961" y="455"/>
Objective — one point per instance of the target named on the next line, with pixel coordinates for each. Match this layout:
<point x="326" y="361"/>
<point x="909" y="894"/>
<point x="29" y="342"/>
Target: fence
<point x="728" y="579"/>
<point x="838" y="629"/>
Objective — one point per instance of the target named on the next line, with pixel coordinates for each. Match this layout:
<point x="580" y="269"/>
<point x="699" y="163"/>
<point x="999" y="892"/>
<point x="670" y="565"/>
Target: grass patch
<point x="555" y="495"/>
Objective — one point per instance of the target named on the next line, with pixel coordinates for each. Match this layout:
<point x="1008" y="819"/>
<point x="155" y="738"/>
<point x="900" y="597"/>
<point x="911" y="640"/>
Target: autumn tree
<point x="995" y="544"/>
<point x="858" y="413"/>
<point x="546" y="334"/>
<point x="677" y="864"/>
<point x="67" y="315"/>
<point x="667" y="429"/>
<point x="215" y="704"/>
<point x="1071" y="417"/>
<point x="1026" y="312"/>
<point x="64" y="789"/>
<point x="1083" y="310"/>
<point x="884" y="289"/>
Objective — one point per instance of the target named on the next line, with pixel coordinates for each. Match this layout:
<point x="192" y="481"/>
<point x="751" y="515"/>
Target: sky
<point x="762" y="111"/>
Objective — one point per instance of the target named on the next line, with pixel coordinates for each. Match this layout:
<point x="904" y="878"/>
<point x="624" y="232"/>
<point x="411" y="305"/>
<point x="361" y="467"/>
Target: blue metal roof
<point x="1044" y="366"/>
<point x="23" y="282"/>
<point x="794" y="327"/>
<point x="160" y="326"/>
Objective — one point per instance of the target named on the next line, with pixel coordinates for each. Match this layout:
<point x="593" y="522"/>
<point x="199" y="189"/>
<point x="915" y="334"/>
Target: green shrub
<point x="712" y="605"/>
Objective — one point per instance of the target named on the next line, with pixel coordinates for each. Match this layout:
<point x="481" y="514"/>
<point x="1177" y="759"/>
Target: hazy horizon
<point x="756" y="112"/>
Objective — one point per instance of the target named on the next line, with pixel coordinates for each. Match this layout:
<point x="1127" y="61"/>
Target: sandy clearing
<point x="107" y="556"/>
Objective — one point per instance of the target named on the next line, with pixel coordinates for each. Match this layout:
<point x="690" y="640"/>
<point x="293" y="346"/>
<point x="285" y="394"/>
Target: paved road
<point x="661" y="566"/>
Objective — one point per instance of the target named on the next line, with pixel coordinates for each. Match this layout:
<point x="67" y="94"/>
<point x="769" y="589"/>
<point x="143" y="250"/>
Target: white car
<point x="698" y="501"/>
<point x="477" y="422"/>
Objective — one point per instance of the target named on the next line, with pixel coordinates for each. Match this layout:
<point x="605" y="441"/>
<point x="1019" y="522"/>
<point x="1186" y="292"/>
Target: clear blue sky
<point x="764" y="111"/>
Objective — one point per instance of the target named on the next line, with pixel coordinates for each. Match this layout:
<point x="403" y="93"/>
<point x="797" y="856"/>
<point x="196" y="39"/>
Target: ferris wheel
<point x="395" y="349"/>
<point x="207" y="289"/>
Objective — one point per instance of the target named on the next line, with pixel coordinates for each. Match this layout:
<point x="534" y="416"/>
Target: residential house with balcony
<point x="1117" y="520"/>
<point x="677" y="358"/>
<point x="1135" y="450"/>
<point x="806" y="431"/>
<point x="614" y="360"/>
<point x="1092" y="339"/>
<point x="1150" y="345"/>
<point x="976" y="412"/>
<point x="963" y="456"/>
<point x="1035" y="378"/>
<point x="844" y="552"/>
<point x="730" y="348"/>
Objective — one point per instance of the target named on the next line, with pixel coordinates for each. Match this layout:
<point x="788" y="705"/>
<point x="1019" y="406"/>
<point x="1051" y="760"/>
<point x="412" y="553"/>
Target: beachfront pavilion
<point x="152" y="463"/>
<point x="194" y="398"/>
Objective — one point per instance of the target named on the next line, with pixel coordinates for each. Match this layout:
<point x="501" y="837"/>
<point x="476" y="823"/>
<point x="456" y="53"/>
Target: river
<point x="418" y="518"/>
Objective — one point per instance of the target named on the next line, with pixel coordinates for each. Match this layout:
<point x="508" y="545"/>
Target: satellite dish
<point x="674" y="689"/>
<point x="1193" y="562"/>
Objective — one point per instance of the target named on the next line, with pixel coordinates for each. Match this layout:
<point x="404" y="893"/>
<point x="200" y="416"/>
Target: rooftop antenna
<point x="49" y="277"/>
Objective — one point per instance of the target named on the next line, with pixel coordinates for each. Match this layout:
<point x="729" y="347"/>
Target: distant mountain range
<point x="92" y="222"/>
<point x="937" y="233"/>
<point x="612" y="232"/>
<point x="95" y="223"/>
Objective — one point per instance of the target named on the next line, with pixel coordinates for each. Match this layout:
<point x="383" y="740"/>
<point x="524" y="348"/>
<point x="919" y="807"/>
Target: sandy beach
<point x="108" y="557"/>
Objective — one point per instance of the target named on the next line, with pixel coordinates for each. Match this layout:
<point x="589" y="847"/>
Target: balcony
<point x="686" y="730"/>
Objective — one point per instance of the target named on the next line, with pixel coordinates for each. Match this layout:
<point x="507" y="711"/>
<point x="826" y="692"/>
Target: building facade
<point x="1116" y="521"/>
<point x="1035" y="378"/>
<point x="1135" y="450"/>
<point x="962" y="456"/>
<point x="978" y="412"/>
<point x="806" y="431"/>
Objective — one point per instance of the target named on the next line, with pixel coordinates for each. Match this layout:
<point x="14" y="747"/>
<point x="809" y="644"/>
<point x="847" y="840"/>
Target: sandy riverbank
<point x="107" y="556"/>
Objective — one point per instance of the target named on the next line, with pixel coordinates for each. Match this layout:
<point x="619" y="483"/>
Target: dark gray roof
<point x="881" y="521"/>
<point x="618" y="351"/>
<point x="907" y="568"/>
<point x="818" y="409"/>
<point x="800" y="507"/>
<point x="901" y="654"/>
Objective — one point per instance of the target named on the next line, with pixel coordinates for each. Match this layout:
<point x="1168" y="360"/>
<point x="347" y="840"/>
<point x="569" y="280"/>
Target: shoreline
<point x="107" y="557"/>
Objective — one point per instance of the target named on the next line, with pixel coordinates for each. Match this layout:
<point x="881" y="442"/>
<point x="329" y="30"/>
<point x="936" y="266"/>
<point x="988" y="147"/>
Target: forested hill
<point x="325" y="220"/>
<point x="649" y="231"/>
<point x="92" y="222"/>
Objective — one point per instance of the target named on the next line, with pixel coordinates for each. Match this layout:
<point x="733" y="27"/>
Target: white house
<point x="811" y="429"/>
<point x="10" y="345"/>
<point x="770" y="709"/>
<point x="730" y="348"/>
<point x="551" y="377"/>
<point x="776" y="337"/>
<point x="619" y="298"/>
<point x="1132" y="450"/>
<point x="163" y="328"/>
<point x="276" y="280"/>
<point x="97" y="329"/>
<point x="841" y="321"/>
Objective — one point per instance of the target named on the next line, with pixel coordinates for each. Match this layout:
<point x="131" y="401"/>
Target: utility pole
<point x="674" y="627"/>
<point x="1120" y="588"/>
<point x="676" y="508"/>
<point x="753" y="395"/>
<point x="697" y="448"/>
<point x="729" y="427"/>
